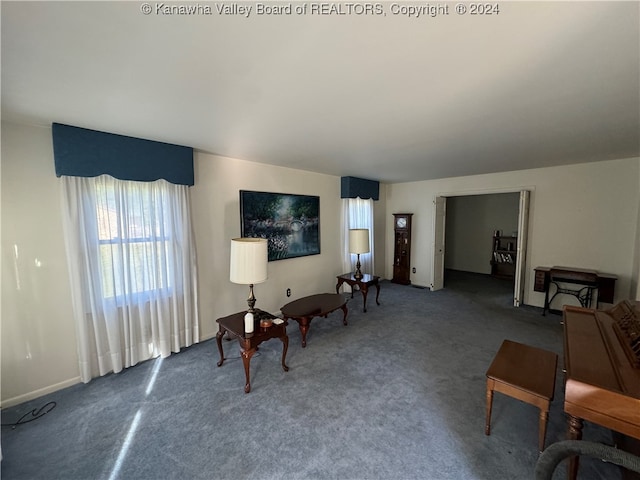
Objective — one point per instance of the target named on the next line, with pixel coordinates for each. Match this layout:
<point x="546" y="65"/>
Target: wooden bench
<point x="525" y="373"/>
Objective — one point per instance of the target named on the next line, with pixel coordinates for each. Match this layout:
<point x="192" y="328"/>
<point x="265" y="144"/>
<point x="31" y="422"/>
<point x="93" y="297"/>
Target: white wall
<point x="581" y="215"/>
<point x="38" y="332"/>
<point x="635" y="284"/>
<point x="216" y="217"/>
<point x="37" y="328"/>
<point x="379" y="220"/>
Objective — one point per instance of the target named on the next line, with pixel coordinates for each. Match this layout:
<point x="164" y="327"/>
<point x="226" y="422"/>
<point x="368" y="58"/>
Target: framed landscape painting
<point x="290" y="223"/>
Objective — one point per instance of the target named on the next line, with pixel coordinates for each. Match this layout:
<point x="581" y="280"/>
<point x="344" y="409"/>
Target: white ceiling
<point x="383" y="97"/>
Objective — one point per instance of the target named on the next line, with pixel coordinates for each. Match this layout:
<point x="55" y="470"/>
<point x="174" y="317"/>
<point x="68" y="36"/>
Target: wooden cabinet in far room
<point x="503" y="259"/>
<point x="402" y="248"/>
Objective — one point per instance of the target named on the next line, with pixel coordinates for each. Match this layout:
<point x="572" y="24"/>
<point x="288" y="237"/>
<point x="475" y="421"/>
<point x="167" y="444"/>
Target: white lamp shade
<point x="248" y="260"/>
<point x="359" y="240"/>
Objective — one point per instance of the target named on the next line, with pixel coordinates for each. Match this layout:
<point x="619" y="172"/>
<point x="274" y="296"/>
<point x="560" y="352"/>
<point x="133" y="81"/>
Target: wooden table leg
<point x="345" y="310"/>
<point x="575" y="433"/>
<point x="339" y="284"/>
<point x="246" y="360"/>
<point x="542" y="427"/>
<point x="364" y="289"/>
<point x="487" y="424"/>
<point x="303" y="323"/>
<point x="377" y="293"/>
<point x="285" y="347"/>
<point x="219" y="335"/>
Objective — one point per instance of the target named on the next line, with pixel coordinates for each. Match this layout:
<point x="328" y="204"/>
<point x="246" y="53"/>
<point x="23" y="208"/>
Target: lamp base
<point x="251" y="301"/>
<point x="358" y="274"/>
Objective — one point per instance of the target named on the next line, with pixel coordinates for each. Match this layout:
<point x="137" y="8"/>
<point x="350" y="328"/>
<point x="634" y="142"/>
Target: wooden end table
<point x="363" y="285"/>
<point x="305" y="309"/>
<point x="234" y="325"/>
<point x="527" y="374"/>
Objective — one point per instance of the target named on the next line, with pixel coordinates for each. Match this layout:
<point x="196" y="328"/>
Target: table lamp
<point x="248" y="266"/>
<point x="358" y="243"/>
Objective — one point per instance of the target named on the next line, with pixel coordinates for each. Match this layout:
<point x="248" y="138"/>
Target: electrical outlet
<point x="414" y="270"/>
<point x="288" y="292"/>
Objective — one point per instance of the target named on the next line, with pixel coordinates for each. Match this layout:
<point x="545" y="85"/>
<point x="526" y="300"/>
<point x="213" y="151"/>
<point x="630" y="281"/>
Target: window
<point x="134" y="240"/>
<point x="357" y="213"/>
<point x="129" y="245"/>
<point x="132" y="267"/>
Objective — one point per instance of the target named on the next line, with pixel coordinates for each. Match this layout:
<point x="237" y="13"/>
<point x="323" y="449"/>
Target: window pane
<point x="134" y="249"/>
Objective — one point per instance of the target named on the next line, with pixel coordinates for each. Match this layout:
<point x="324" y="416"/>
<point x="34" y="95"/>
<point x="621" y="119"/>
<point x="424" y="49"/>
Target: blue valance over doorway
<point x="79" y="152"/>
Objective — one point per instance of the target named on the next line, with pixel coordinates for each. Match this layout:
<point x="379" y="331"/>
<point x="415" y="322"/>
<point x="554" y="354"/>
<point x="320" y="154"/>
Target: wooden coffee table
<point x="305" y="309"/>
<point x="363" y="285"/>
<point x="234" y="326"/>
<point x="527" y="374"/>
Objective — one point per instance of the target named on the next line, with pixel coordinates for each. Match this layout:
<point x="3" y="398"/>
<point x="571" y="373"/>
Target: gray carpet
<point x="399" y="393"/>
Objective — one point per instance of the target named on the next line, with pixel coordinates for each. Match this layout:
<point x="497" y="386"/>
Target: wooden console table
<point x="234" y="325"/>
<point x="363" y="285"/>
<point x="305" y="309"/>
<point x="587" y="280"/>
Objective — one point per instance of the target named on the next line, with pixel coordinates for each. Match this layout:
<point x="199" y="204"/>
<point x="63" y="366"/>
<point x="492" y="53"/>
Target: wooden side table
<point x="527" y="374"/>
<point x="363" y="285"/>
<point x="234" y="325"/>
<point x="305" y="309"/>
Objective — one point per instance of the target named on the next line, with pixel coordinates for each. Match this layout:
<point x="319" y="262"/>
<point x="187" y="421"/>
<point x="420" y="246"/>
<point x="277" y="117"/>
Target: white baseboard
<point x="204" y="338"/>
<point x="10" y="402"/>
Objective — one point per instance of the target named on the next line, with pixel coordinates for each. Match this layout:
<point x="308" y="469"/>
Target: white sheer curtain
<point x="132" y="264"/>
<point x="357" y="213"/>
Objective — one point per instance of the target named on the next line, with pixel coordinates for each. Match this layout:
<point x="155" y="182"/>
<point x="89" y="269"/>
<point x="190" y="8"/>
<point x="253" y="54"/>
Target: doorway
<point x="466" y="228"/>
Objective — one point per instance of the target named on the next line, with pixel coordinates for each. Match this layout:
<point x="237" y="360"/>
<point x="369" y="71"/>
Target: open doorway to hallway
<point x="481" y="237"/>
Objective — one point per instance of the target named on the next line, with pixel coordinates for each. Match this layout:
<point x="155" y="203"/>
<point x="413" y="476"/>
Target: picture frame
<point x="290" y="222"/>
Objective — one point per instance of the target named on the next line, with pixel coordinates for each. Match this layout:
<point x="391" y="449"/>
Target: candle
<point x="248" y="323"/>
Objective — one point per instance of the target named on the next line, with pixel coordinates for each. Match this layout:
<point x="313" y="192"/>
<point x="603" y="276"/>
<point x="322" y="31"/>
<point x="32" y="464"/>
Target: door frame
<point x="439" y="223"/>
<point x="523" y="233"/>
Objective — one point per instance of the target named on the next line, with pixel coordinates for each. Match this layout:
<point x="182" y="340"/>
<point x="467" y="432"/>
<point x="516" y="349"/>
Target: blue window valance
<point x="352" y="187"/>
<point x="79" y="152"/>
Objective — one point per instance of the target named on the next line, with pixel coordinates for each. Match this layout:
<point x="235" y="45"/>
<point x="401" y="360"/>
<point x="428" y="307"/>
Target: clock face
<point x="401" y="222"/>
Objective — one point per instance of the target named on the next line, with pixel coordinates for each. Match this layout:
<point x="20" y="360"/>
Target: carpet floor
<point x="398" y="393"/>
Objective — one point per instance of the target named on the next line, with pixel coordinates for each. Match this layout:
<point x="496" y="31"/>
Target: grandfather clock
<point x="402" y="248"/>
